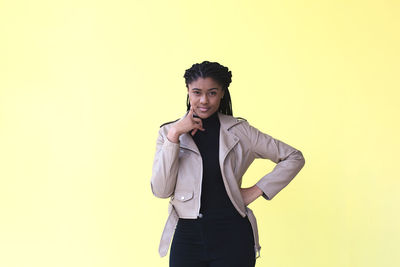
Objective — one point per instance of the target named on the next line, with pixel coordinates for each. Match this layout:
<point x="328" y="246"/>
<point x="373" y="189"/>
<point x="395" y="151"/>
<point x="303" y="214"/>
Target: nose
<point x="204" y="99"/>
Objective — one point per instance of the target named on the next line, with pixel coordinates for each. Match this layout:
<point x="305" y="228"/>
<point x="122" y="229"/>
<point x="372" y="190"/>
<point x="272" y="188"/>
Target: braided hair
<point x="221" y="74"/>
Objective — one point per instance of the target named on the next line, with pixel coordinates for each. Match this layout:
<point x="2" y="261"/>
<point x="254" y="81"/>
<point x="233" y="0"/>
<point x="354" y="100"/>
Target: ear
<point x="223" y="93"/>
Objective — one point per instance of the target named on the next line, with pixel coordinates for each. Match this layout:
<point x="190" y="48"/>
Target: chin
<point x="205" y="115"/>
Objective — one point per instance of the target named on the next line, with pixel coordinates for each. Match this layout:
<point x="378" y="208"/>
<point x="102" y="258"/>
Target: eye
<point x="196" y="92"/>
<point x="213" y="93"/>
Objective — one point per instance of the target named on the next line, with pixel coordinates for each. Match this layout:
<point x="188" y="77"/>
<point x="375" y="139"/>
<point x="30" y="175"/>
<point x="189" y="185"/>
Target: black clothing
<point x="219" y="239"/>
<point x="220" y="236"/>
<point x="213" y="192"/>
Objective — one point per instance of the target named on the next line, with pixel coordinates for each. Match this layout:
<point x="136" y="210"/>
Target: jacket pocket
<point x="183" y="195"/>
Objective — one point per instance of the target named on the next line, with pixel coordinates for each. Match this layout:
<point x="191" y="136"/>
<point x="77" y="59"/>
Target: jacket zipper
<point x="201" y="185"/>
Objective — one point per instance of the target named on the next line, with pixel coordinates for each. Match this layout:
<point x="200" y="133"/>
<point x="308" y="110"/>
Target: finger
<point x="190" y="111"/>
<point x="197" y="120"/>
<point x="189" y="114"/>
<point x="194" y="115"/>
<point x="194" y="131"/>
<point x="199" y="127"/>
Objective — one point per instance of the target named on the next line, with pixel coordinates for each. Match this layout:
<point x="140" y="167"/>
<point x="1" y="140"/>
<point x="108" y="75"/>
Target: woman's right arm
<point x="165" y="166"/>
<point x="166" y="159"/>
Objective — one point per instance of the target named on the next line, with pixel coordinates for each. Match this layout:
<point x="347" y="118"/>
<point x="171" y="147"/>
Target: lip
<point x="203" y="109"/>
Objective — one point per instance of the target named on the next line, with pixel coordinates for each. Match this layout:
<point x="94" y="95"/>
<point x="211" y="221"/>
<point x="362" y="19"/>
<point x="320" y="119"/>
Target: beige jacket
<point x="177" y="171"/>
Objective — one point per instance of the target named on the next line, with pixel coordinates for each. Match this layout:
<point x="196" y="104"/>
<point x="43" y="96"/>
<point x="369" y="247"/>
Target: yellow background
<point x="84" y="86"/>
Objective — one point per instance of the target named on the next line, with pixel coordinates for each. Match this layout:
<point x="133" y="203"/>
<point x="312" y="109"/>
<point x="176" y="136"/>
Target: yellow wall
<point x="84" y="86"/>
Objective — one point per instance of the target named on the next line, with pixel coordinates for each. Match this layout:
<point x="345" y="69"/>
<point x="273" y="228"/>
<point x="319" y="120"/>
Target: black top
<point x="213" y="192"/>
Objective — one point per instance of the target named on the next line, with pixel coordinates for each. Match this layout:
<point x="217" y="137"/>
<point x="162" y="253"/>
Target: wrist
<point x="258" y="190"/>
<point x="173" y="135"/>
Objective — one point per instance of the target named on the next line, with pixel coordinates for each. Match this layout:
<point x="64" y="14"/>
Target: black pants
<point x="219" y="238"/>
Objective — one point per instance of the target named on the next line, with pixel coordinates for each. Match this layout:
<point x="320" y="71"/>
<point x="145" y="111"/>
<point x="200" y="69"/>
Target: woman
<point x="199" y="163"/>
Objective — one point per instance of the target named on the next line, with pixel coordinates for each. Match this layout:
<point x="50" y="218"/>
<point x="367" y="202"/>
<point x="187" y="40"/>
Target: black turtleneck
<point x="213" y="192"/>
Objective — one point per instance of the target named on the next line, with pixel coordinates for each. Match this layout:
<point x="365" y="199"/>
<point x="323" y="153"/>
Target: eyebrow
<point x="207" y="90"/>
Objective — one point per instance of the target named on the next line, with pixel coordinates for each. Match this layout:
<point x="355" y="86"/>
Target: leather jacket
<point x="177" y="171"/>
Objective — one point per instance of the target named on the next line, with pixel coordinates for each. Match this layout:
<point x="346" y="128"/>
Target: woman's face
<point x="205" y="96"/>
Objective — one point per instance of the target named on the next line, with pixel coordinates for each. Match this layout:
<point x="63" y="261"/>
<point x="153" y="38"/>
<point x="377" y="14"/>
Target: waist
<point x="215" y="214"/>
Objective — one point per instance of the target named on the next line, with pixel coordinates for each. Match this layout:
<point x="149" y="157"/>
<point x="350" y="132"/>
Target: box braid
<point x="216" y="71"/>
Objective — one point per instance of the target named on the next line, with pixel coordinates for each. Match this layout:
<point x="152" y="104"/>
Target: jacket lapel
<point x="187" y="142"/>
<point x="227" y="140"/>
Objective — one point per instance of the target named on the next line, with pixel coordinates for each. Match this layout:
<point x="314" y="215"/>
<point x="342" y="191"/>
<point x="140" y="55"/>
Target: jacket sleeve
<point x="165" y="167"/>
<point x="289" y="161"/>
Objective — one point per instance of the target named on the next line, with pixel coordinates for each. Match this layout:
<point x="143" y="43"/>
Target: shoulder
<point x="169" y="122"/>
<point x="229" y="121"/>
<point x="240" y="119"/>
<point x="164" y="128"/>
<point x="239" y="126"/>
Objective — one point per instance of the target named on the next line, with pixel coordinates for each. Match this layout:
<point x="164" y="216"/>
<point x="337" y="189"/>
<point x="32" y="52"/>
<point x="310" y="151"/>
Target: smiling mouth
<point x="204" y="109"/>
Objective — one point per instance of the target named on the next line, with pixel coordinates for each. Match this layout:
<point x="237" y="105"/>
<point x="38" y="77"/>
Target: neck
<point x="211" y="121"/>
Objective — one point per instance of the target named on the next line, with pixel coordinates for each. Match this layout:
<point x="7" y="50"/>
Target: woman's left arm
<point x="289" y="161"/>
<point x="250" y="194"/>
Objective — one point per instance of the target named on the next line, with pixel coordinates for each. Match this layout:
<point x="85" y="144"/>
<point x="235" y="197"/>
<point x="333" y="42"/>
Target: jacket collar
<point x="226" y="139"/>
